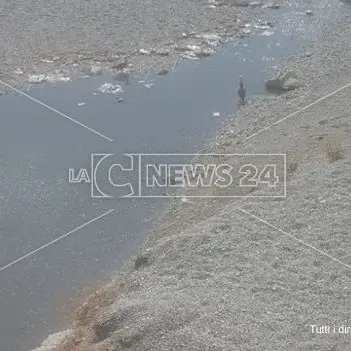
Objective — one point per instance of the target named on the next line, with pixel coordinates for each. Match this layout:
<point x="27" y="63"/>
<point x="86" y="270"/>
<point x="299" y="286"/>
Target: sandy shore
<point x="249" y="274"/>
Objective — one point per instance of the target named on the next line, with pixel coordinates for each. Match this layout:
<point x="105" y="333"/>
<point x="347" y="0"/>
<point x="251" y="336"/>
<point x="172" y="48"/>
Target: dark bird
<point x="242" y="92"/>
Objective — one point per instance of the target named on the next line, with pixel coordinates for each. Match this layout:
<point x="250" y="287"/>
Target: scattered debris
<point x="144" y="52"/>
<point x="50" y="78"/>
<point x="184" y="200"/>
<point x="110" y="88"/>
<point x="92" y="70"/>
<point x="18" y="71"/>
<point x="267" y="33"/>
<point x="57" y="77"/>
<point x="245" y="32"/>
<point x="255" y="3"/>
<point x="148" y="85"/>
<point x="36" y="78"/>
<point x="46" y="61"/>
<point x="216" y="3"/>
<point x="96" y="70"/>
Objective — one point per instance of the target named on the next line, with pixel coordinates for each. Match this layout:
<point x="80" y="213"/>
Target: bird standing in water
<point x="242" y="92"/>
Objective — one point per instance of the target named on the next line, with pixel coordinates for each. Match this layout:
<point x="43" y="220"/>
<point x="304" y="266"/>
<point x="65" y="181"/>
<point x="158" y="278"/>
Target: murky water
<point x="37" y="204"/>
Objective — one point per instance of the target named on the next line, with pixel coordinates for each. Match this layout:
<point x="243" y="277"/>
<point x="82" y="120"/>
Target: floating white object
<point x="110" y="88"/>
<point x="216" y="114"/>
<point x="59" y="77"/>
<point x="36" y="78"/>
<point x="81" y="103"/>
<point x="46" y="61"/>
<point x="267" y="33"/>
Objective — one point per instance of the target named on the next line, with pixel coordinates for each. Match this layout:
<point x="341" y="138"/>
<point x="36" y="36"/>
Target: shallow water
<point x="38" y="147"/>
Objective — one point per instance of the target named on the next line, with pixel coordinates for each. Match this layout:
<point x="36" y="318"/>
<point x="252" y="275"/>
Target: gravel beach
<point x="67" y="37"/>
<point x="249" y="274"/>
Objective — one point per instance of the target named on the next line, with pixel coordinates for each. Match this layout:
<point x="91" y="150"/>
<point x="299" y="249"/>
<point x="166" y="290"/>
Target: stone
<point x="144" y="52"/>
<point x="141" y="261"/>
<point x="283" y="82"/>
<point x="163" y="52"/>
<point x="163" y="72"/>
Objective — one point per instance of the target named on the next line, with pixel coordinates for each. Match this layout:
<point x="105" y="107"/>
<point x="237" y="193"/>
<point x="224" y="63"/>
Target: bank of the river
<point x="61" y="40"/>
<point x="245" y="274"/>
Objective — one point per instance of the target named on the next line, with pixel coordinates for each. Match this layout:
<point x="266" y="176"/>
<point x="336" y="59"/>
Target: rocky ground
<point x="249" y="274"/>
<point x="58" y="40"/>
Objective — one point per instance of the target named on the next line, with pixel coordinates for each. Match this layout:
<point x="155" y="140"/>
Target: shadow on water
<point x="38" y="147"/>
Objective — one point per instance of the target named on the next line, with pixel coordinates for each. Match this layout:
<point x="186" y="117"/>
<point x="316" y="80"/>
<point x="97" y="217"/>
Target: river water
<point x="37" y="203"/>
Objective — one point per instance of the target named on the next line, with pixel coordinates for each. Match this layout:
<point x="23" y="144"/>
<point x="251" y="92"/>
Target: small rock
<point x="144" y="52"/>
<point x="119" y="99"/>
<point x="163" y="52"/>
<point x="308" y="53"/>
<point x="245" y="32"/>
<point x="283" y="82"/>
<point x="309" y="13"/>
<point x="163" y="72"/>
<point x="272" y="5"/>
<point x="141" y="261"/>
<point x="269" y="24"/>
<point x="204" y="52"/>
